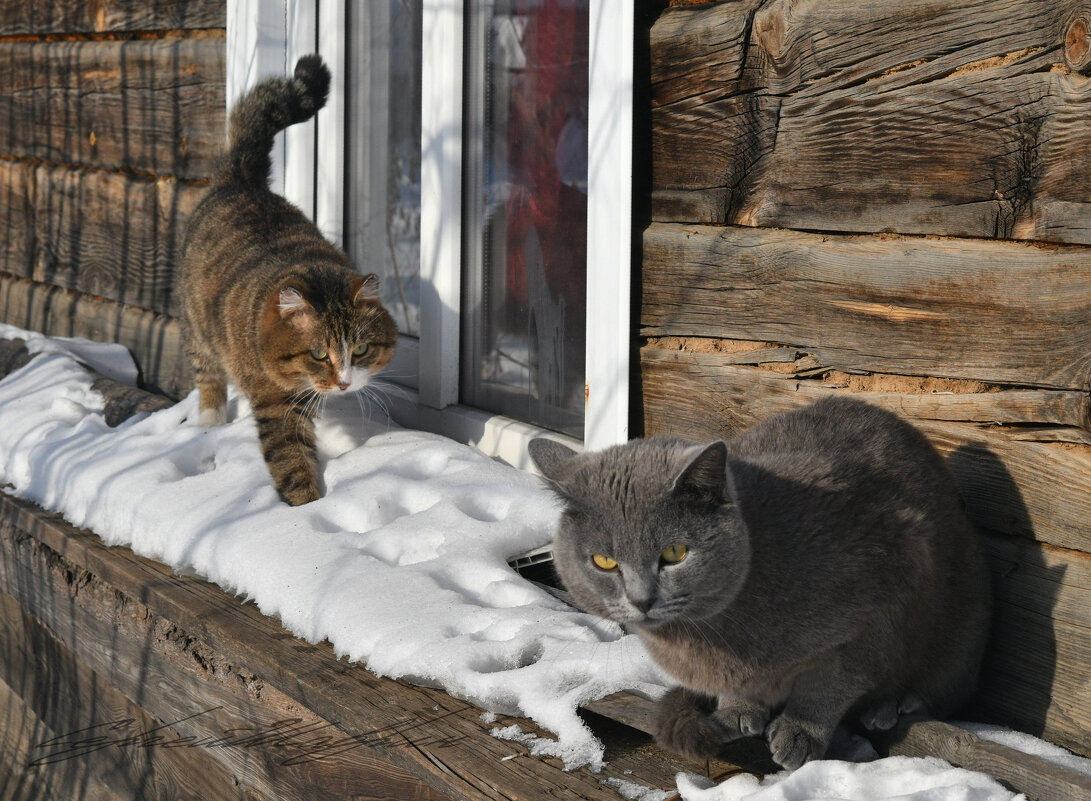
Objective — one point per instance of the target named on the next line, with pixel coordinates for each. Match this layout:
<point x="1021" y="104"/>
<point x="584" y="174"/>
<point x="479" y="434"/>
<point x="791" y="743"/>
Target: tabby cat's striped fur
<point x="267" y="301"/>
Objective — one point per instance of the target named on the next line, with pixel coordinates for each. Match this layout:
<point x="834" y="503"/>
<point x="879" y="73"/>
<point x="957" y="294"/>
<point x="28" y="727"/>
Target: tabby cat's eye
<point x="674" y="553"/>
<point x="603" y="562"/>
<point x="360" y="349"/>
<point x="319" y="354"/>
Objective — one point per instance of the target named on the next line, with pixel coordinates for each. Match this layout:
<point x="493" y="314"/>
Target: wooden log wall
<point x="114" y="115"/>
<point x="891" y="199"/>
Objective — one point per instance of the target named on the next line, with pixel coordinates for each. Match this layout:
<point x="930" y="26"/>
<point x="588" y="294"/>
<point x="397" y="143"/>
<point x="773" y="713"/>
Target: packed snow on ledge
<point x="402" y="565"/>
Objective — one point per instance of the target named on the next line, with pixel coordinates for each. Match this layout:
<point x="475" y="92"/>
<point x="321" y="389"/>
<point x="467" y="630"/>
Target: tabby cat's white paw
<point x="207" y="418"/>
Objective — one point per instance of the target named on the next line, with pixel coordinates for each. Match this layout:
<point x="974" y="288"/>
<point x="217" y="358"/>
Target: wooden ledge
<point x="129" y="676"/>
<point x="120" y="674"/>
<point x="121" y="679"/>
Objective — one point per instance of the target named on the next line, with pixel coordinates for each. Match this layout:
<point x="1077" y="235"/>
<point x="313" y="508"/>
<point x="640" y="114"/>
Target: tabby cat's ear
<point x="704" y="478"/>
<point x="364" y="287"/>
<point x="550" y="458"/>
<point x="291" y="301"/>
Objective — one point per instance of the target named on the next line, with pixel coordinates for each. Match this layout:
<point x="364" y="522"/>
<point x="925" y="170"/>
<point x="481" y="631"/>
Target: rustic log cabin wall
<point x="892" y="199"/>
<point x="114" y="114"/>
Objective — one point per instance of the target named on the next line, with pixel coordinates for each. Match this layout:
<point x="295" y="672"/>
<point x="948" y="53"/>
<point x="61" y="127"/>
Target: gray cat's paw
<point x="743" y="719"/>
<point x="881" y="715"/>
<point x="792" y="745"/>
<point x="684" y="724"/>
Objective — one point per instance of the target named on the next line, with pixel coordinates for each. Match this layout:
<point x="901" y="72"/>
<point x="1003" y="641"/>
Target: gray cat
<point x="818" y="566"/>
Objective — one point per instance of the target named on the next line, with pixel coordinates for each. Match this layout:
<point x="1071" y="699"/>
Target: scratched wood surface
<point x="105" y="234"/>
<point x="1005" y="312"/>
<point x="58" y="710"/>
<point x="59" y="17"/>
<point x="1012" y="484"/>
<point x="960" y="117"/>
<point x="147" y="106"/>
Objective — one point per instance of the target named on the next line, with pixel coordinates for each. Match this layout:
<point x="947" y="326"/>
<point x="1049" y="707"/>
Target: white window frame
<point x="265" y="37"/>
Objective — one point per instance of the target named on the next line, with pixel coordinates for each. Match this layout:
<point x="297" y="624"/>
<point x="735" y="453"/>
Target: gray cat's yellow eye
<point x="319" y="354"/>
<point x="603" y="562"/>
<point x="675" y="553"/>
<point x="360" y="349"/>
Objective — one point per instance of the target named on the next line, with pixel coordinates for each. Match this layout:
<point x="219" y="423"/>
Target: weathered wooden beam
<point x="149" y="106"/>
<point x="17" y="209"/>
<point x="155" y="340"/>
<point x="723" y="381"/>
<point x="102" y="233"/>
<point x="709" y="127"/>
<point x="1035" y="676"/>
<point x="21" y="731"/>
<point x="957" y="118"/>
<point x="113" y="16"/>
<point x="813" y="47"/>
<point x="1026" y="488"/>
<point x="76" y="729"/>
<point x="1037" y="779"/>
<point x="1004" y="312"/>
<point x="958" y="156"/>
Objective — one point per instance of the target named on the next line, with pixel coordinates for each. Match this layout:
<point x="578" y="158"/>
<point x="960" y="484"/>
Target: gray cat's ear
<point x="364" y="287"/>
<point x="550" y="457"/>
<point x="704" y="478"/>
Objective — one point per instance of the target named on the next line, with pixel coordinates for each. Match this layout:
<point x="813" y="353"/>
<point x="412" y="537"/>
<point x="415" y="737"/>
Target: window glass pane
<point x="525" y="213"/>
<point x="383" y="153"/>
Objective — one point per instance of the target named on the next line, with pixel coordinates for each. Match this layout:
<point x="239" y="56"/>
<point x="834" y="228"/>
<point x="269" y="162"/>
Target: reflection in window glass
<point x="525" y="213"/>
<point x="383" y="155"/>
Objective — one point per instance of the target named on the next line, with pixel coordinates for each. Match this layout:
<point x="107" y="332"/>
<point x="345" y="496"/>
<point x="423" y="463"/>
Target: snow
<point x="1030" y="744"/>
<point x="890" y="779"/>
<point x="402" y="565"/>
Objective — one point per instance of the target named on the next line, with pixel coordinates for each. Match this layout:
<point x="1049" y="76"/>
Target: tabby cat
<point x="267" y="301"/>
<point x="820" y="565"/>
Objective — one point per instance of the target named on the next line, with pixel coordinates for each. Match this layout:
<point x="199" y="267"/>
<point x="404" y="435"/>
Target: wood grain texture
<point x="708" y="129"/>
<point x="21" y="731"/>
<point x="155" y="340"/>
<point x="424" y="733"/>
<point x="1038" y="780"/>
<point x="258" y="741"/>
<point x="113" y="16"/>
<point x="1029" y="489"/>
<point x="81" y="730"/>
<point x="105" y="234"/>
<point x="719" y="382"/>
<point x="150" y="106"/>
<point x="17" y="210"/>
<point x="906" y="305"/>
<point x="1035" y="676"/>
<point x="955" y="118"/>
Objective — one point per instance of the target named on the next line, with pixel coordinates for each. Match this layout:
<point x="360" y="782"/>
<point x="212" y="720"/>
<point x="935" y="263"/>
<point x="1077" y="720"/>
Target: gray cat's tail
<point x="267" y="109"/>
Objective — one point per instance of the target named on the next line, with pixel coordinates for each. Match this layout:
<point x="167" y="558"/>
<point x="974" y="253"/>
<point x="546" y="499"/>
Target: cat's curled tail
<point x="268" y="108"/>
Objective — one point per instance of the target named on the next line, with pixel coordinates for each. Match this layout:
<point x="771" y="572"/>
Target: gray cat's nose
<point x="343" y="385"/>
<point x="643" y="604"/>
